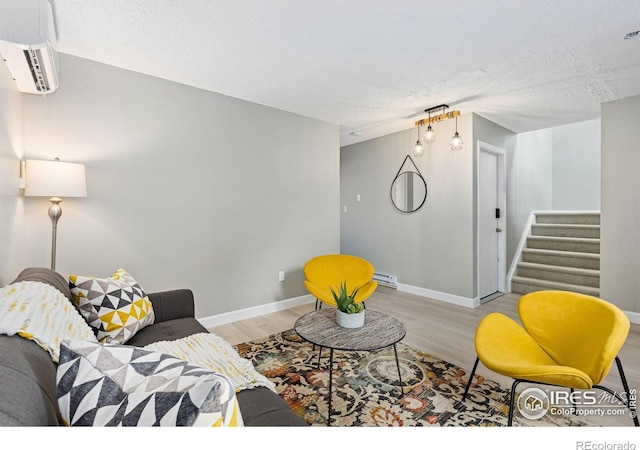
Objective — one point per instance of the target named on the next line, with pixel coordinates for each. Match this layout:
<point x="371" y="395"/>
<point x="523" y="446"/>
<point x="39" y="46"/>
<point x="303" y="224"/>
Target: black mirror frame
<point x="417" y="172"/>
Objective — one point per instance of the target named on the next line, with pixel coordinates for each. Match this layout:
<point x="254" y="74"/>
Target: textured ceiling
<point x="373" y="66"/>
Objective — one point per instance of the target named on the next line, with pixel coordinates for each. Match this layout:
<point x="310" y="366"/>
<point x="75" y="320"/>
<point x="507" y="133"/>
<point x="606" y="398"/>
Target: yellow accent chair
<point x="325" y="271"/>
<point x="569" y="340"/>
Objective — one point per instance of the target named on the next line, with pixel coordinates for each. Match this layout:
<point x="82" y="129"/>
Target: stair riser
<point x="585" y="247"/>
<point x="566" y="232"/>
<point x="552" y="260"/>
<point x="560" y="277"/>
<point x="522" y="288"/>
<point x="580" y="219"/>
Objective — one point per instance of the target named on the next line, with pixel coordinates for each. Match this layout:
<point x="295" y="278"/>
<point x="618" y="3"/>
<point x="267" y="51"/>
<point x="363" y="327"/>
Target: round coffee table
<point x="379" y="331"/>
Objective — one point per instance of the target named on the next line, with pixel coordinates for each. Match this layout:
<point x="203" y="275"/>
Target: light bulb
<point x="418" y="149"/>
<point x="429" y="135"/>
<point x="456" y="142"/>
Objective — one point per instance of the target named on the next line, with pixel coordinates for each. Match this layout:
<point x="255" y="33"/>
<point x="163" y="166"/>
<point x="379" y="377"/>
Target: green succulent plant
<point x="346" y="302"/>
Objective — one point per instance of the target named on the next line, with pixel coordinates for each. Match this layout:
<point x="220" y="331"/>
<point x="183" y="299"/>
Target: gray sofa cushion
<point x="261" y="407"/>
<point x="47" y="276"/>
<point x="27" y="384"/>
<point x="169" y="330"/>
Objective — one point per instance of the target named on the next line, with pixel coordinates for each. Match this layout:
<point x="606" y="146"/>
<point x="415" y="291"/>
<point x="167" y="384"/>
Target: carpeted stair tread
<point x="524" y="285"/>
<point x="560" y="274"/>
<point x="563" y="269"/>
<point x="568" y="217"/>
<point x="562" y="258"/>
<point x="568" y="254"/>
<point x="566" y="239"/>
<point x="566" y="230"/>
<point x="586" y="245"/>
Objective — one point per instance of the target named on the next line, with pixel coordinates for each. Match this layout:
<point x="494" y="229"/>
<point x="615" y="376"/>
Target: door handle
<point x="498" y="230"/>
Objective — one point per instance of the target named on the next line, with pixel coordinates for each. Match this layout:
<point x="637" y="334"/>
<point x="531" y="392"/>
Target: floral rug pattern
<point x="366" y="389"/>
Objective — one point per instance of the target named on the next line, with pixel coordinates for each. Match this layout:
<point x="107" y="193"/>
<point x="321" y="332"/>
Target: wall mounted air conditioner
<point x="27" y="45"/>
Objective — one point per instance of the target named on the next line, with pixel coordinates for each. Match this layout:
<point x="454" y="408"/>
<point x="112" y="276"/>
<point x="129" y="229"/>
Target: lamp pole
<point x="55" y="211"/>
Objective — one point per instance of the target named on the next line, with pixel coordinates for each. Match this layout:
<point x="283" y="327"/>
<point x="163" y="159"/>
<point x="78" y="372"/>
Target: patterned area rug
<point x="366" y="391"/>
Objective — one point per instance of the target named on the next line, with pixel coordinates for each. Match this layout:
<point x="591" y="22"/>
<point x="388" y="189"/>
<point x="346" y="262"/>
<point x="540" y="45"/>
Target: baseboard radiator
<point x="384" y="279"/>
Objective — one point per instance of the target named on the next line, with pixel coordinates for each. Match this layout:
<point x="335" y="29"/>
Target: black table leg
<point x="330" y="385"/>
<point x="398" y="366"/>
<point x="319" y="356"/>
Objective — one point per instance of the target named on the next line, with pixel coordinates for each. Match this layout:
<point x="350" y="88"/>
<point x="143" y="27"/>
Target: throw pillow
<point x="121" y="385"/>
<point x="115" y="307"/>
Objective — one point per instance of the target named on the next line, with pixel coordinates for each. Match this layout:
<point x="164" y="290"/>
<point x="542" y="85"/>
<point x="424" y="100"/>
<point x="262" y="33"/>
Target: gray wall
<point x="576" y="166"/>
<point x="620" y="212"/>
<point x="431" y="248"/>
<point x="12" y="240"/>
<point x="187" y="188"/>
<point x="529" y="182"/>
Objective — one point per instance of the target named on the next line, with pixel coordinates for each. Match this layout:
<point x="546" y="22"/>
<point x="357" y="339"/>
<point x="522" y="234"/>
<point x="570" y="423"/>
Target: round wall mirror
<point x="408" y="191"/>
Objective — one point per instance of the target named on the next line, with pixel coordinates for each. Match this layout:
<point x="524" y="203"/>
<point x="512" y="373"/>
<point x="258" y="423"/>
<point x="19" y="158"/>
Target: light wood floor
<point x="440" y="329"/>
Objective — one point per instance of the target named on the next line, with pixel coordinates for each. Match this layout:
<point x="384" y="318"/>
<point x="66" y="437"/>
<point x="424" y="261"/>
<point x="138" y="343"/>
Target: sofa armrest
<point x="175" y="304"/>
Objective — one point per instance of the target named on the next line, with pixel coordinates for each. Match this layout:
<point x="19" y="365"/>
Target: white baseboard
<point x="248" y="313"/>
<point x="634" y="317"/>
<point x="255" y="311"/>
<point x="442" y="296"/>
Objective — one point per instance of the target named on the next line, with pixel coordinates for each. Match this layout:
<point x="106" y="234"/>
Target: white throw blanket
<point x="41" y="313"/>
<point x="211" y="351"/>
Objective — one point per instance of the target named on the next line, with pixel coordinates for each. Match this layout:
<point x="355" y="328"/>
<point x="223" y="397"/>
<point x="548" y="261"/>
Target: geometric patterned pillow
<point x="116" y="307"/>
<point x="121" y="385"/>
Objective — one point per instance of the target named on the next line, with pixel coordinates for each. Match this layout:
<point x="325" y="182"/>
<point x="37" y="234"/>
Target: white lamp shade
<point x="54" y="179"/>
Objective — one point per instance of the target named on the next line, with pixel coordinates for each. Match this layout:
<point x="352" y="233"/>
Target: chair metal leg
<point x="398" y="367"/>
<point x="318" y="306"/>
<point x="631" y="403"/>
<point x="473" y="371"/>
<point x="512" y="401"/>
<point x="330" y="386"/>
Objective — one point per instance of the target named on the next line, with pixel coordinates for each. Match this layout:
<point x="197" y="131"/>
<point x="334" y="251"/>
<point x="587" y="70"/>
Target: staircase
<point x="559" y="251"/>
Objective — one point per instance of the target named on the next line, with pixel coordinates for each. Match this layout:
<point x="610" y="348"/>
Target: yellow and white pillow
<point x="115" y="307"/>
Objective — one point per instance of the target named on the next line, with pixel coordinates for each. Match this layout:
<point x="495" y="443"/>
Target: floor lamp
<point x="54" y="179"/>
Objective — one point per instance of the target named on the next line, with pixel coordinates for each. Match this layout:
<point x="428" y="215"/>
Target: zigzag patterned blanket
<point x="211" y="351"/>
<point x="41" y="313"/>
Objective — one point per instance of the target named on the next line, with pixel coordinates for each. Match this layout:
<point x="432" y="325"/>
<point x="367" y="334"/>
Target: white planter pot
<point x="350" y="320"/>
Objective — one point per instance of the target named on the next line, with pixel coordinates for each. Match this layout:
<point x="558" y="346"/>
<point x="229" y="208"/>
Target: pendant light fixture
<point x="429" y="135"/>
<point x="456" y="140"/>
<point x="418" y="149"/>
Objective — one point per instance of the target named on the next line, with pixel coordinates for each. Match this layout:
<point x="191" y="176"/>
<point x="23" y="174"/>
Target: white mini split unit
<point x="27" y="44"/>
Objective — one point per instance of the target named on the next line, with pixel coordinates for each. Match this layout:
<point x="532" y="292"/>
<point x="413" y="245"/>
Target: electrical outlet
<point x="281" y="275"/>
<point x="344" y="209"/>
<point x="358" y="197"/>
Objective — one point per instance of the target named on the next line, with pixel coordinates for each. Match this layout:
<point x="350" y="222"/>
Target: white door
<point x="488" y="223"/>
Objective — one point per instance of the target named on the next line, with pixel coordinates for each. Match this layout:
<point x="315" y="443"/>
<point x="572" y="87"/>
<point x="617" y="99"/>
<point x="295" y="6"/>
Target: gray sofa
<point x="28" y="376"/>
